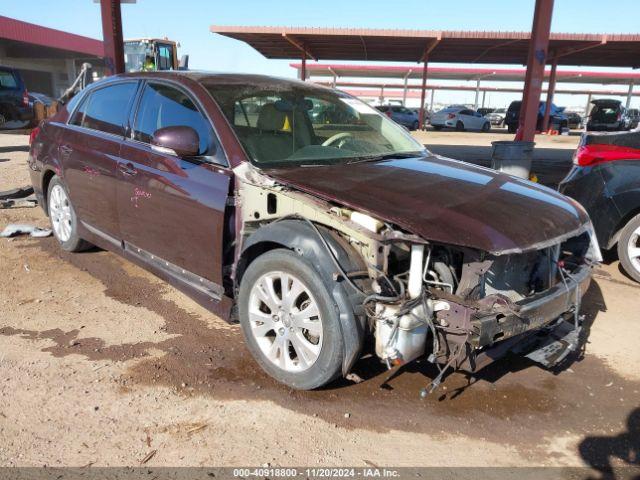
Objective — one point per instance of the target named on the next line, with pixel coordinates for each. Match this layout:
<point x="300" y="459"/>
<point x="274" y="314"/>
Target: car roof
<point x="606" y="101"/>
<point x="217" y="78"/>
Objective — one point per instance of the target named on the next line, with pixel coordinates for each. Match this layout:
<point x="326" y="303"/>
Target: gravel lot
<point x="102" y="364"/>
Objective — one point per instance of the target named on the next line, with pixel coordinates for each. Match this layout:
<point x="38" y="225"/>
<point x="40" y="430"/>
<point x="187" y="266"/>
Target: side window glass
<point x="164" y="57"/>
<point x="165" y="106"/>
<point x="106" y="109"/>
<point x="7" y="81"/>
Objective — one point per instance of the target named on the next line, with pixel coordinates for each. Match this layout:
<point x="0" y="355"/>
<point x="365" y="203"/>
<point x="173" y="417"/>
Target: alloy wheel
<point x="60" y="213"/>
<point x="633" y="249"/>
<point x="285" y="321"/>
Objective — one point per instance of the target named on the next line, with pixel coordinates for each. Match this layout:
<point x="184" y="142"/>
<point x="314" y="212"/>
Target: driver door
<point x="171" y="209"/>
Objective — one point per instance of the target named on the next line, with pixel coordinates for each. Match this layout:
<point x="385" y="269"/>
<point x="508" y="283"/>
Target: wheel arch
<point x="302" y="238"/>
<point x="620" y="226"/>
<point x="47" y="176"/>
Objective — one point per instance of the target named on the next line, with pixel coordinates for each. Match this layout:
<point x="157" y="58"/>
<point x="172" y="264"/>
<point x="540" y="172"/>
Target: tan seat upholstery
<point x="271" y="143"/>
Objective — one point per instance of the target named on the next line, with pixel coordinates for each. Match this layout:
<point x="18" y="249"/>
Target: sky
<point x="188" y="22"/>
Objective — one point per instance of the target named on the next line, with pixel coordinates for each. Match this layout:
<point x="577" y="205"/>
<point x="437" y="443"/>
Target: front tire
<point x="64" y="221"/>
<point x="629" y="248"/>
<point x="459" y="126"/>
<point x="289" y="320"/>
<point x="415" y="126"/>
<point x="486" y="127"/>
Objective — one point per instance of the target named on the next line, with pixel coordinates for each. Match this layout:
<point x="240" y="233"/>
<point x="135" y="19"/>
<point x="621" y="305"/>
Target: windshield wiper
<point x="386" y="156"/>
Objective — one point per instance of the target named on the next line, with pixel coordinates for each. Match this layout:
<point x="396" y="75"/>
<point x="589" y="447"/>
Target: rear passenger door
<point x="89" y="153"/>
<point x="171" y="209"/>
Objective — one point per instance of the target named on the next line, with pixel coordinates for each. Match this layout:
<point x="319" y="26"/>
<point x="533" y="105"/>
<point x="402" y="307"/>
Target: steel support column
<point x="536" y="60"/>
<point x="629" y="94"/>
<point x="433" y="94"/>
<point x="425" y="67"/>
<point x="484" y="97"/>
<point x="303" y="69"/>
<point x="475" y="103"/>
<point x="404" y="91"/>
<point x="112" y="36"/>
<point x="587" y="106"/>
<point x="550" y="92"/>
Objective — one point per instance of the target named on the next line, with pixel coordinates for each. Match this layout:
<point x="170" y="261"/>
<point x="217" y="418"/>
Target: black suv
<point x="557" y="118"/>
<point x="14" y="98"/>
<point x="608" y="115"/>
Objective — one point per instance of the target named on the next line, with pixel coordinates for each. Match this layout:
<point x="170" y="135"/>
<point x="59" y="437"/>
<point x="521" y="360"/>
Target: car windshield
<point x="500" y="110"/>
<point x="297" y="125"/>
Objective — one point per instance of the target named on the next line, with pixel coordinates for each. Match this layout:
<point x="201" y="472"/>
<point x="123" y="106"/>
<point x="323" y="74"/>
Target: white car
<point x="460" y="118"/>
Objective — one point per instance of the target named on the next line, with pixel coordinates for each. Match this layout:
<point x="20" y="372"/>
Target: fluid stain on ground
<point x="511" y="401"/>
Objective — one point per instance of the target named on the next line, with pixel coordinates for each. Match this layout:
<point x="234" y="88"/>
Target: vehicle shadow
<point x="14" y="148"/>
<point x="598" y="451"/>
<point x="609" y="257"/>
<point x="551" y="165"/>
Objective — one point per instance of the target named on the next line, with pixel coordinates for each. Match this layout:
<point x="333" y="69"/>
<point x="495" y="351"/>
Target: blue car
<point x="404" y="116"/>
<point x="14" y="98"/>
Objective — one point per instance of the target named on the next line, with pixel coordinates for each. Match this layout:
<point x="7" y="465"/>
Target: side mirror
<point x="178" y="141"/>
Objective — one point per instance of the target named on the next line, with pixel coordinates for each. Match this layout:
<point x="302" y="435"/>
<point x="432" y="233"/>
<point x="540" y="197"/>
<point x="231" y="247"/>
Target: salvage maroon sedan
<point x="320" y="219"/>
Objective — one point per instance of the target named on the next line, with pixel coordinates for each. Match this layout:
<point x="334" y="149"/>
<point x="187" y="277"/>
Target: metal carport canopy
<point x="604" y="50"/>
<point x="26" y="40"/>
<point x="464" y="74"/>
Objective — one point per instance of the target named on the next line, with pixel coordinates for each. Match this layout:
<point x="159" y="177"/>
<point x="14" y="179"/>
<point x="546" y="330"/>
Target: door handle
<point x="127" y="169"/>
<point x="65" y="151"/>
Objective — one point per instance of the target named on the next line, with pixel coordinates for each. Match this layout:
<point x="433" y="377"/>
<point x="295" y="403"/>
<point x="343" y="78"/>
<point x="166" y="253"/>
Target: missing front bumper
<point x="543" y="328"/>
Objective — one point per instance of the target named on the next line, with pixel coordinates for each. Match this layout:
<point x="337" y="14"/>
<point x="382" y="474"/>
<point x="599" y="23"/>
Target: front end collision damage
<point x="463" y="307"/>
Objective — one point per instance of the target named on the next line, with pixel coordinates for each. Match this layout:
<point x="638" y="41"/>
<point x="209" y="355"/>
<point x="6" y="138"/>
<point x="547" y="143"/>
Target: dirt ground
<point x="102" y="364"/>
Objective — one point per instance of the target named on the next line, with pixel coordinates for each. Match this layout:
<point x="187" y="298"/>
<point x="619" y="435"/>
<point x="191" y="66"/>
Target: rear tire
<point x="274" y="323"/>
<point x="629" y="248"/>
<point x="415" y="126"/>
<point x="511" y="128"/>
<point x="64" y="221"/>
<point x="459" y="126"/>
<point x="486" y="127"/>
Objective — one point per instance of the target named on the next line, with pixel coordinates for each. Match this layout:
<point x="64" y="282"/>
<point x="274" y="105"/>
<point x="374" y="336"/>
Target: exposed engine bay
<point x="461" y="307"/>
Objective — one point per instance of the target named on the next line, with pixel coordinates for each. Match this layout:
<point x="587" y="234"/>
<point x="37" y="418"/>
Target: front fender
<point x="302" y="238"/>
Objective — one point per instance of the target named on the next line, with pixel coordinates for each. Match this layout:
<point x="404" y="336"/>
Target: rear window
<point x="106" y="109"/>
<point x="605" y="113"/>
<point x="8" y="80"/>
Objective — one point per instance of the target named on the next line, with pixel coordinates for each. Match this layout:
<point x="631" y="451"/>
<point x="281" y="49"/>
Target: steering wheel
<point x="335" y="138"/>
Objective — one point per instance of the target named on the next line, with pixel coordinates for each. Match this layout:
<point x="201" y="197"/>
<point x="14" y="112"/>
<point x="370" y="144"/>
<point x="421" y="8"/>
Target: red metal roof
<point x="612" y="50"/>
<point x="31" y="34"/>
<point x="398" y="93"/>
<point x="452" y="73"/>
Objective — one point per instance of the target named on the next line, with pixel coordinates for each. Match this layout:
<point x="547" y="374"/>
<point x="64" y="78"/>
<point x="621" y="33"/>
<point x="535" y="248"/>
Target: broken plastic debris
<point x="22" y="229"/>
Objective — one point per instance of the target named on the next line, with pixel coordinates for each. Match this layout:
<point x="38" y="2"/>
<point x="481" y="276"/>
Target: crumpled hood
<point x="446" y="201"/>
